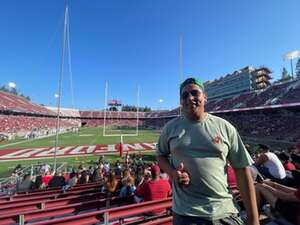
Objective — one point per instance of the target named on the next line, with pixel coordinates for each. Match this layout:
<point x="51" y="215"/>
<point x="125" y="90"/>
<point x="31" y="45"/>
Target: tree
<point x="13" y="91"/>
<point x="113" y="108"/>
<point x="285" y="75"/>
<point x="298" y="68"/>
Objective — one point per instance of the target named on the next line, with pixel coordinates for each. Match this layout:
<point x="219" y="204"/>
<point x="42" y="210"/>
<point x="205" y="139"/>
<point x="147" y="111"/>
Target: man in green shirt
<point x="194" y="150"/>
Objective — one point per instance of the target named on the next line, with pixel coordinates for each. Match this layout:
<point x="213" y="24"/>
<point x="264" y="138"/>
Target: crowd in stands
<point x="276" y="175"/>
<point x="31" y="127"/>
<point x="133" y="176"/>
<point x="280" y="124"/>
<point x="66" y="112"/>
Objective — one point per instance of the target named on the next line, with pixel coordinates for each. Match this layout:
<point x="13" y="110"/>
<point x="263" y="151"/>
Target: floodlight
<point x="12" y="85"/>
<point x="292" y="55"/>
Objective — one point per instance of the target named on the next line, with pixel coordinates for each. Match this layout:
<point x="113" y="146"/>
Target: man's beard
<point x="192" y="108"/>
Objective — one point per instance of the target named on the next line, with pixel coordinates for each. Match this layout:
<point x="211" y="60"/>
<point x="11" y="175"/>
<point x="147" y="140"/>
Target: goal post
<point x="106" y="118"/>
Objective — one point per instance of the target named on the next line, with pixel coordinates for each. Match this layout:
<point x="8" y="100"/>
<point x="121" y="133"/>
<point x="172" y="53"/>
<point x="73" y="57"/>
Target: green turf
<point x="86" y="136"/>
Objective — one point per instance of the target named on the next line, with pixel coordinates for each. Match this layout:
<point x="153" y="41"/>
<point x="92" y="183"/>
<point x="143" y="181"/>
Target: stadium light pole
<point x="290" y="56"/>
<point x="160" y="101"/>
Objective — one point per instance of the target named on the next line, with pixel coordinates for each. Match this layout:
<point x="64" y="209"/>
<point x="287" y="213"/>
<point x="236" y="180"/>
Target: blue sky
<point x="136" y="42"/>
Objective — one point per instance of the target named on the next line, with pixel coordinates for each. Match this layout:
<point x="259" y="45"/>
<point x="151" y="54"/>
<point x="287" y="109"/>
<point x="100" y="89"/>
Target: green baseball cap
<point x="191" y="80"/>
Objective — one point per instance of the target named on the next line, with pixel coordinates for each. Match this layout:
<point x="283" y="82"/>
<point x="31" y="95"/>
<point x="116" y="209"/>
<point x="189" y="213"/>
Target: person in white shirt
<point x="269" y="165"/>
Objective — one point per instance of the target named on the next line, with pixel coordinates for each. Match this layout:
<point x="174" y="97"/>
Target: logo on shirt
<point x="217" y="140"/>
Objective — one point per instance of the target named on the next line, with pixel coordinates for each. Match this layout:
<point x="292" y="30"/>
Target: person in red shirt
<point x="155" y="189"/>
<point x="46" y="179"/>
<point x="231" y="178"/>
<point x="285" y="160"/>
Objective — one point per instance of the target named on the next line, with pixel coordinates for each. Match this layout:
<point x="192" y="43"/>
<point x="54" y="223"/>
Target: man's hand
<point x="181" y="175"/>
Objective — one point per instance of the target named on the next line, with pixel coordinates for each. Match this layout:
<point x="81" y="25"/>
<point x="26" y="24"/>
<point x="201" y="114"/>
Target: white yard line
<point x="28" y="140"/>
<point x="24" y="141"/>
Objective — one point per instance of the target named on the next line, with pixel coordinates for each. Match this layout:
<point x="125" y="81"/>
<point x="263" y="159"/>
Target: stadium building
<point x="244" y="80"/>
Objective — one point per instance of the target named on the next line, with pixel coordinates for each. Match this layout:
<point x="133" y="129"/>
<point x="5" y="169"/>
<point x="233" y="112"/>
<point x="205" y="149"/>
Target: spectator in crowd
<point x="26" y="184"/>
<point x="57" y="181"/>
<point x="106" y="167"/>
<point x="98" y="175"/>
<point x="128" y="187"/>
<point x="143" y="176"/>
<point x="118" y="169"/>
<point x="194" y="150"/>
<point x="127" y="159"/>
<point x="84" y="177"/>
<point x="295" y="156"/>
<point x="155" y="189"/>
<point x="101" y="159"/>
<point x="269" y="165"/>
<point x="45" y="168"/>
<point x="38" y="184"/>
<point x="72" y="180"/>
<point x="283" y="199"/>
<point x="285" y="160"/>
<point x="111" y="185"/>
<point x="46" y="178"/>
<point x="126" y="175"/>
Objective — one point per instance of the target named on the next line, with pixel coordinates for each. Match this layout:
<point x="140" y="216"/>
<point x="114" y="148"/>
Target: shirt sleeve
<point x="163" y="148"/>
<point x="238" y="155"/>
<point x="142" y="191"/>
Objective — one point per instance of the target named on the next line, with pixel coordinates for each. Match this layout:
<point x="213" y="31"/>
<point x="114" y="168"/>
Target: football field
<point x="85" y="136"/>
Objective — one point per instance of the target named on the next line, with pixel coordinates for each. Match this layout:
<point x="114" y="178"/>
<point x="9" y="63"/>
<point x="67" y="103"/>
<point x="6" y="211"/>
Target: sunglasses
<point x="194" y="93"/>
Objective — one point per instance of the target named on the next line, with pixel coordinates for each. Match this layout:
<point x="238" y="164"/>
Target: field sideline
<point x="86" y="136"/>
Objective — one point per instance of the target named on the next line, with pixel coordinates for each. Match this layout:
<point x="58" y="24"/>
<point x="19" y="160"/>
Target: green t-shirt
<point x="204" y="148"/>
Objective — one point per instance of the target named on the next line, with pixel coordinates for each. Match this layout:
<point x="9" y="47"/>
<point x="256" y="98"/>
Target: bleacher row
<point x="9" y="102"/>
<point x="82" y="204"/>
